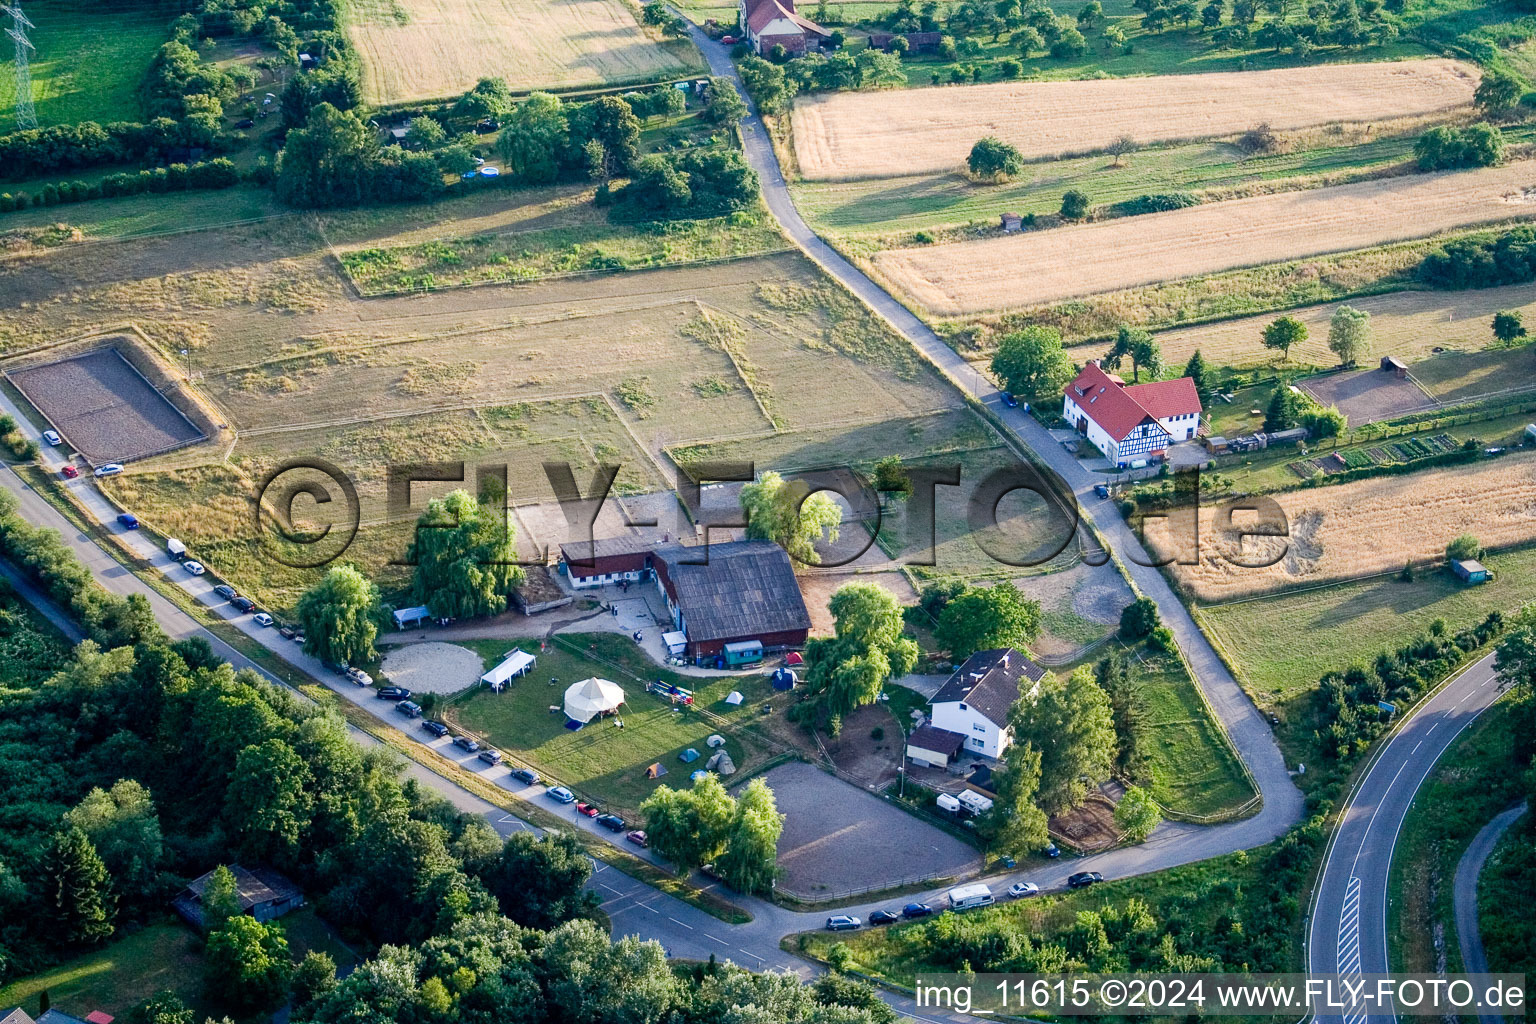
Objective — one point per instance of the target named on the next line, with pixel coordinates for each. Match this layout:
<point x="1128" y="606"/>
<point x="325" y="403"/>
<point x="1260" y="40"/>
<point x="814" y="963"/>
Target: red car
<point x="728" y="40"/>
<point x="70" y="472"/>
<point x="588" y="810"/>
<point x="637" y="837"/>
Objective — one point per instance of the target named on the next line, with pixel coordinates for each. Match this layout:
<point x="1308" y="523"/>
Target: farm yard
<point x="1370" y="526"/>
<point x="1049" y="266"/>
<point x="415" y="50"/>
<point x="847" y="135"/>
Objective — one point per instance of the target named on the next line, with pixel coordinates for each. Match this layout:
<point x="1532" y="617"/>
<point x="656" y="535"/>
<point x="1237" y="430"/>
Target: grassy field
<point x="849" y="135"/>
<point x="1410" y="324"/>
<point x="599" y="368"/>
<point x="1471" y="783"/>
<point x="875" y="213"/>
<point x="1353" y="622"/>
<point x="88" y="65"/>
<point x="416" y="50"/>
<point x="603" y="762"/>
<point x="1191" y="894"/>
<point x="958" y="278"/>
<point x="117" y="976"/>
<point x="1194" y="771"/>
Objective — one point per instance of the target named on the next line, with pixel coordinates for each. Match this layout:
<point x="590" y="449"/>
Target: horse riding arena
<point x="848" y="135"/>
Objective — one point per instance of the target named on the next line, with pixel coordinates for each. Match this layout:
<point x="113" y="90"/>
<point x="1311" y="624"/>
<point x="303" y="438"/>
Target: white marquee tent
<point x="516" y="664"/>
<point x="589" y="698"/>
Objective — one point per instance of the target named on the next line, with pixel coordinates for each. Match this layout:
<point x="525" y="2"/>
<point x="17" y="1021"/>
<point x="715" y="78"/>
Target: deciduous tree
<point x="788" y="515"/>
<point x="1016" y="826"/>
<point x="123" y="826"/>
<point x="993" y="159"/>
<point x="1137" y="815"/>
<point x="749" y="862"/>
<point x="465" y="558"/>
<point x="1508" y="325"/>
<point x="986" y="618"/>
<point x="1071" y="724"/>
<point x="246" y="965"/>
<point x="1284" y="332"/>
<point x="1349" y="334"/>
<point x="1031" y="364"/>
<point x="541" y="882"/>
<point x="867" y="648"/>
<point x="340" y="616"/>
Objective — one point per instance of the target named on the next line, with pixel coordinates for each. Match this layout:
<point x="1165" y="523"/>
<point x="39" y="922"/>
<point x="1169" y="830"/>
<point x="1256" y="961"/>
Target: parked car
<point x="244" y="123"/>
<point x="194" y="567"/>
<point x="638" y="837"/>
<point x="129" y="520"/>
<point x="226" y="591"/>
<point x="1051" y="850"/>
<point x="1010" y="401"/>
<point x="52" y="437"/>
<point x="359" y="677"/>
<point x="437" y="729"/>
<point x="409" y="709"/>
<point x="1083" y="879"/>
<point x="560" y="795"/>
<point x="611" y="822"/>
<point x="884" y="917"/>
<point x="110" y="469"/>
<point x="491" y="757"/>
<point x="243" y="604"/>
<point x="526" y="775"/>
<point x="262" y="619"/>
<point x="394" y="693"/>
<point x="465" y="743"/>
<point x="588" y="810"/>
<point x="298" y="637"/>
<point x="916" y="910"/>
<point x="842" y="923"/>
<point x="486" y="125"/>
<point x="728" y="40"/>
<point x="288" y="632"/>
<point x="1102" y="490"/>
<point x="70" y="472"/>
<point x="1020" y="889"/>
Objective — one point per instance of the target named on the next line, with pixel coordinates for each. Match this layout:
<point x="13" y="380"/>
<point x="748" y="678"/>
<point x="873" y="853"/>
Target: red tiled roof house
<point x="770" y="23"/>
<point x="1131" y="422"/>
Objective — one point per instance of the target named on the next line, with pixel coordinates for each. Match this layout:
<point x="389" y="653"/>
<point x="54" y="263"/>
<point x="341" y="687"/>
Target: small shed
<point x="405" y="617"/>
<point x="1470" y="570"/>
<point x="1216" y="444"/>
<point x="676" y="641"/>
<point x="1012" y="222"/>
<point x="1394" y="365"/>
<point x="934" y="747"/>
<point x="262" y="893"/>
<point x="745" y="652"/>
<point x="517" y="663"/>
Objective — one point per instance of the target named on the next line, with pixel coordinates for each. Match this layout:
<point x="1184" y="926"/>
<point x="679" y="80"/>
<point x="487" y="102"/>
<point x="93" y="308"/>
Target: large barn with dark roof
<point x="732" y="593"/>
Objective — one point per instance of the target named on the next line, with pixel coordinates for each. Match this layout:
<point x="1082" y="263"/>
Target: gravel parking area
<point x="433" y="667"/>
<point x="839" y="838"/>
<point x="104" y="407"/>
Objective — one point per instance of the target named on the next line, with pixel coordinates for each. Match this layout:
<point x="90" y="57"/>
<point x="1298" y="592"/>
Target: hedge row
<point x="209" y="174"/>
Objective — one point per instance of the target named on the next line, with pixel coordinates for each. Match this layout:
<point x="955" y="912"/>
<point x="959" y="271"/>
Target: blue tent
<point x="688" y="756"/>
<point x="696" y="776"/>
<point x="784" y="679"/>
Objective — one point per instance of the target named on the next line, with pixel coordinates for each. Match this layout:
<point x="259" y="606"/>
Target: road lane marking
<point x="716" y="938"/>
<point x="676" y="921"/>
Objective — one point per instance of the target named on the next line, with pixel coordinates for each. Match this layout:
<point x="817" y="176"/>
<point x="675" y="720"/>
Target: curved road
<point x="1348" y="930"/>
<point x="1464" y="892"/>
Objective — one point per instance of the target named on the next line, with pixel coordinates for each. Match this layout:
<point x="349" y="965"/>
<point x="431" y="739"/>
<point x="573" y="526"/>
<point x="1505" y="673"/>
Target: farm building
<point x="1470" y="570"/>
<point x="974" y="702"/>
<point x="625" y="559"/>
<point x="934" y="748"/>
<point x="1394" y="365"/>
<point x="770" y="23"/>
<point x="1012" y="222"/>
<point x="263" y="894"/>
<point x="1129" y="423"/>
<point x="732" y="593"/>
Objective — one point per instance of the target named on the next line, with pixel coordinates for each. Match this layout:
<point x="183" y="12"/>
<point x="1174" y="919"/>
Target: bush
<point x="1446" y="147"/>
<point x="994" y="160"/>
<point x="1463" y="548"/>
<point x="1139" y="619"/>
<point x="1074" y="205"/>
<point x="1161" y="639"/>
<point x="1156" y="202"/>
<point x="1510" y="258"/>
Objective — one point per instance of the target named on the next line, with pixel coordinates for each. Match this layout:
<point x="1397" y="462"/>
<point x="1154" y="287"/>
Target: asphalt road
<point x="1348" y="930"/>
<point x="1464" y="894"/>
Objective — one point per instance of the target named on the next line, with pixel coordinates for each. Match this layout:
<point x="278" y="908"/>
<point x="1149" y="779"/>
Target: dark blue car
<point x="129" y="520"/>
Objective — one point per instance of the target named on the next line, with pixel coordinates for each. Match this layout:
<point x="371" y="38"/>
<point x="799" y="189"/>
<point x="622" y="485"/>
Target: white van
<point x="963" y="897"/>
<point x="175" y="548"/>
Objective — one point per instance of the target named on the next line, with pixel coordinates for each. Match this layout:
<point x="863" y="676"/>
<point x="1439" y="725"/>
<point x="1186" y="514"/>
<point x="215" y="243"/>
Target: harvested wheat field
<point x="1371" y="526"/>
<point x="847" y="135"/>
<point x="1407" y="324"/>
<point x="1009" y="271"/>
<point x="432" y="49"/>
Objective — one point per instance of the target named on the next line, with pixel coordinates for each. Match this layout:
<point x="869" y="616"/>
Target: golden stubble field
<point x="850" y="135"/>
<point x="432" y="49"/>
<point x="1369" y="526"/>
<point x="1012" y="271"/>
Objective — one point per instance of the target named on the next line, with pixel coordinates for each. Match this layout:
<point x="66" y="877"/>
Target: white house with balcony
<point x="974" y="702"/>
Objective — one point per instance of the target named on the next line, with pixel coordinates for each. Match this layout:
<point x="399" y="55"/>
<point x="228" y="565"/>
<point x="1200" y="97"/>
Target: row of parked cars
<point x="961" y="898"/>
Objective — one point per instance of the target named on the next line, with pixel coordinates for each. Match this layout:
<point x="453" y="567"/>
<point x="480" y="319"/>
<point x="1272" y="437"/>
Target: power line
<point x="26" y="116"/>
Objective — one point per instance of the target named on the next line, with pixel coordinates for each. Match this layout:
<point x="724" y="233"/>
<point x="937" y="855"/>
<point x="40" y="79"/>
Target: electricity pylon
<point x="26" y="116"/>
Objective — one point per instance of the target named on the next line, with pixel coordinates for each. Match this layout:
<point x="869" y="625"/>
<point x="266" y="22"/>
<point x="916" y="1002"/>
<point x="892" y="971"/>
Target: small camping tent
<point x="784" y="679"/>
<point x="721" y="762"/>
<point x="589" y="698"/>
<point x="655" y="771"/>
<point x="715" y="740"/>
<point x="696" y="776"/>
<point x="688" y="756"/>
<point x="734" y="697"/>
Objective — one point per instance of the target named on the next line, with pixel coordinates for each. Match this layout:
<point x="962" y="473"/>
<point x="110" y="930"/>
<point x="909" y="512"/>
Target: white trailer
<point x="963" y="897"/>
<point x="175" y="548"/>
